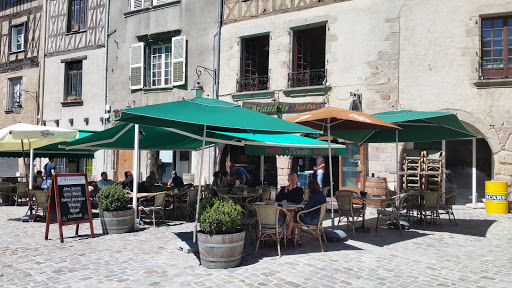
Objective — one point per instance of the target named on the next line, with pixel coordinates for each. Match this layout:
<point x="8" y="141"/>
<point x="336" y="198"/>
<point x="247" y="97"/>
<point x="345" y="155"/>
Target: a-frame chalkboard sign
<point x="69" y="203"/>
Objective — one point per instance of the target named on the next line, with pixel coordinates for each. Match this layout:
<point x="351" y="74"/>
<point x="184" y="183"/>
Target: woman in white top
<point x="320" y="169"/>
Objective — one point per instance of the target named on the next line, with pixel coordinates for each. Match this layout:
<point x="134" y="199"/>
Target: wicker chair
<point x="431" y="203"/>
<point x="348" y="210"/>
<point x="394" y="212"/>
<point x="316" y="230"/>
<point x="41" y="201"/>
<point x="21" y="192"/>
<point x="269" y="226"/>
<point x="447" y="207"/>
<point x="158" y="205"/>
<point x="187" y="201"/>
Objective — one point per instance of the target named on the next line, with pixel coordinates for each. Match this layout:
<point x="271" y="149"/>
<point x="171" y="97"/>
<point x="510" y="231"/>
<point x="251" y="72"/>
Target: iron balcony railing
<point x="497" y="69"/>
<point x="307" y="78"/>
<point x="254" y="83"/>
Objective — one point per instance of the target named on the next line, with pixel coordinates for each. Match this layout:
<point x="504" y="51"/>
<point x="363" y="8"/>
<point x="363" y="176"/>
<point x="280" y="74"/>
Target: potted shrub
<point x="220" y="240"/>
<point x="116" y="215"/>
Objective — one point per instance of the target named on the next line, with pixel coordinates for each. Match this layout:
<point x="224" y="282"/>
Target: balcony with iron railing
<point x="254" y="83"/>
<point x="307" y="78"/>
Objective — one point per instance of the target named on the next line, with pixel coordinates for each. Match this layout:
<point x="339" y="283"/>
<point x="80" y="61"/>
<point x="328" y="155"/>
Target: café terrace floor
<point x="475" y="253"/>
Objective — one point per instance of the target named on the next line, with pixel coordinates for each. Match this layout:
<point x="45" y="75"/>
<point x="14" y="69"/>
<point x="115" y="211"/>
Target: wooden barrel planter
<point x="117" y="222"/>
<point x="376" y="186"/>
<point x="221" y="251"/>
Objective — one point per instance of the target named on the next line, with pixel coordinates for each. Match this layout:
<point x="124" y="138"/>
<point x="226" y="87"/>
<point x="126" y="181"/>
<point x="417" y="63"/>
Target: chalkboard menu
<point x="69" y="202"/>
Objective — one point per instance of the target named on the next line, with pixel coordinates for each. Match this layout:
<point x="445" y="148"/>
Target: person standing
<point x="320" y="170"/>
<point x="49" y="170"/>
<point x="239" y="173"/>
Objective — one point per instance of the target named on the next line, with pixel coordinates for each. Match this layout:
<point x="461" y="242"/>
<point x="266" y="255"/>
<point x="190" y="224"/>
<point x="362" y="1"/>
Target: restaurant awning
<point x="284" y="145"/>
<point x="55" y="150"/>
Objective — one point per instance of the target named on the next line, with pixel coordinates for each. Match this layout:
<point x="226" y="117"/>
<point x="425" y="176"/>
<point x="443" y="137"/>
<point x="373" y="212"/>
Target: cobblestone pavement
<point x="474" y="253"/>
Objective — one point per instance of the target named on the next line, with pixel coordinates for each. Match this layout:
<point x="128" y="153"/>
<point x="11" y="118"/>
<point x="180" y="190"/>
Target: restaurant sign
<point x="281" y="107"/>
<point x="291" y="151"/>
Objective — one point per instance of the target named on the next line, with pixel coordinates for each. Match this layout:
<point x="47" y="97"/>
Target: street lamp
<point x="198" y="90"/>
<point x="17" y="107"/>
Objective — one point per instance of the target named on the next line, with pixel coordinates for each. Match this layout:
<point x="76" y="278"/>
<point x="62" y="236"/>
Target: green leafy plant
<point x="113" y="198"/>
<point x="219" y="217"/>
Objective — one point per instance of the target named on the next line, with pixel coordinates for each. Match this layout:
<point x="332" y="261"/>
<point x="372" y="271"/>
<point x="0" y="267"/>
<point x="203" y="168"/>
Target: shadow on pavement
<point x="469" y="227"/>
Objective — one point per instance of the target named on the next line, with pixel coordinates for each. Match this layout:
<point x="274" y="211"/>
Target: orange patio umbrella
<point x="337" y="119"/>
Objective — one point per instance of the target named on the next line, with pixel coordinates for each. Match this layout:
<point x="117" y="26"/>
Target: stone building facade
<point x="154" y="49"/>
<point x="390" y="52"/>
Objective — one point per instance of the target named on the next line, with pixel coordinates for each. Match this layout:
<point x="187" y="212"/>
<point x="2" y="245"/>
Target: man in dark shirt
<point x="176" y="181"/>
<point x="128" y="181"/>
<point x="291" y="193"/>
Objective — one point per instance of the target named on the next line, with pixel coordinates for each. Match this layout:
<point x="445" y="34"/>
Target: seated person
<point x="128" y="181"/>
<point x="216" y="179"/>
<point x="291" y="193"/>
<point x="224" y="182"/>
<point x="37" y="180"/>
<point x="175" y="181"/>
<point x="239" y="173"/>
<point x="151" y="179"/>
<point x="316" y="198"/>
<point x="104" y="182"/>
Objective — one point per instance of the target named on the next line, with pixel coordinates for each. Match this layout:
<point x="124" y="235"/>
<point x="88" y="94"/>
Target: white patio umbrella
<point x="20" y="136"/>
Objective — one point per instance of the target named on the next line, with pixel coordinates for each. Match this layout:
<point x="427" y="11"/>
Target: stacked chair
<point x="415" y="162"/>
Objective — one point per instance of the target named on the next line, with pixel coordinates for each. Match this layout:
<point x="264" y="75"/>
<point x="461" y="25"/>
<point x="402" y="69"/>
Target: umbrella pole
<point x="31" y="168"/>
<point x="26" y="177"/>
<point x="262" y="164"/>
<point x="397" y="162"/>
<point x="135" y="169"/>
<point x="199" y="190"/>
<point x="330" y="169"/>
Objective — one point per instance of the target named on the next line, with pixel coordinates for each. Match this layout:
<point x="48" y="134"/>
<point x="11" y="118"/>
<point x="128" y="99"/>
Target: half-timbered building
<point x="74" y="72"/>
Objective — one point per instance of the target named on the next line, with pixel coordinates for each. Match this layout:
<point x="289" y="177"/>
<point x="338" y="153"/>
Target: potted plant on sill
<point x="116" y="215"/>
<point x="220" y="241"/>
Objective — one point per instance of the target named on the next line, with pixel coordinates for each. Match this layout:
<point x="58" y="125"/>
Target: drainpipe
<point x="217" y="68"/>
<point x="107" y="16"/>
<point x="40" y="97"/>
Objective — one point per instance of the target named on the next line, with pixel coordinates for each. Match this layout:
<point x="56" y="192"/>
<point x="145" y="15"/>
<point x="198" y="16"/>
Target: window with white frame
<point x="14" y="93"/>
<point x="161" y="66"/>
<point x="18" y="37"/>
<point x="165" y="64"/>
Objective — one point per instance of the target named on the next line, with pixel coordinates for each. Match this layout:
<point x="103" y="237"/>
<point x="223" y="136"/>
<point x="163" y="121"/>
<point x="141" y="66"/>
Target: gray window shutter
<point x="179" y="49"/>
<point x="137" y="66"/>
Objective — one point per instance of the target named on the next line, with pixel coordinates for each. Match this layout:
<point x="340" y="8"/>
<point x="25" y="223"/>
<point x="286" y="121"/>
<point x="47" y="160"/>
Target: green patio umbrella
<point x="193" y="116"/>
<point x="121" y="137"/>
<point x="417" y="126"/>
